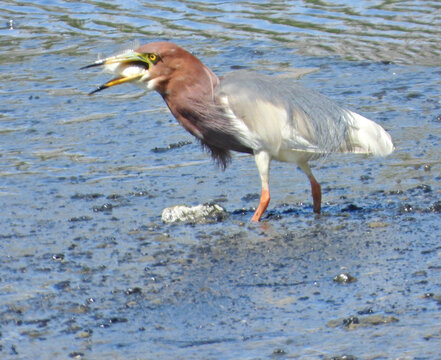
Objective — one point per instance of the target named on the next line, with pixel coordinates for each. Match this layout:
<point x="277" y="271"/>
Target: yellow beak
<point x="123" y="61"/>
<point x="116" y="81"/>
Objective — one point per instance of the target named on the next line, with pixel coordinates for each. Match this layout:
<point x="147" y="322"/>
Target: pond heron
<point x="269" y="117"/>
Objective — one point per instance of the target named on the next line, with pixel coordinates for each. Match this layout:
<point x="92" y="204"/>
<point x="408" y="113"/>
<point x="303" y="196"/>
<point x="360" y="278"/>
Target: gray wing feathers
<point x="289" y="116"/>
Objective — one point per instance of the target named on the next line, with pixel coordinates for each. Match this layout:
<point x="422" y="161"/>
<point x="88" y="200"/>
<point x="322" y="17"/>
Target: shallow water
<point x="88" y="270"/>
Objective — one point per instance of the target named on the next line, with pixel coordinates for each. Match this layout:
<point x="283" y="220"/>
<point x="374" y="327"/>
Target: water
<point x="88" y="270"/>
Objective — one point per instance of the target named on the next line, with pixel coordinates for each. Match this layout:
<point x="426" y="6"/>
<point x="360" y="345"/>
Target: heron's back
<point x="282" y="115"/>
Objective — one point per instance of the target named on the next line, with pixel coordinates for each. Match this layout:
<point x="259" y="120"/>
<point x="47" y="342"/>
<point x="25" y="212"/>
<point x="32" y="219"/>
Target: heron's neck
<point x="190" y="97"/>
<point x="193" y="103"/>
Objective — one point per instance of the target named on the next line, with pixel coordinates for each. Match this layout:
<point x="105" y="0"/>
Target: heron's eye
<point x="153" y="58"/>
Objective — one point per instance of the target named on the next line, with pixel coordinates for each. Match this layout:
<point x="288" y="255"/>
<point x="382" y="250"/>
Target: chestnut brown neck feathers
<point x="188" y="87"/>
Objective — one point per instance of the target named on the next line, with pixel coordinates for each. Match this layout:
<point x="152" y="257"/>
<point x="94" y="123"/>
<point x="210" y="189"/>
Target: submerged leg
<point x="263" y="160"/>
<point x="316" y="189"/>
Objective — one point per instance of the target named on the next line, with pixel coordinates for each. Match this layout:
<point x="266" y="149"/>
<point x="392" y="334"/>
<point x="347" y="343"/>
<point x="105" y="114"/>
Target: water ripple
<point x="405" y="32"/>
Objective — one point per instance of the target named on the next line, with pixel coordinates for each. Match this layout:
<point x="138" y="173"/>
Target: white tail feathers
<point x="367" y="137"/>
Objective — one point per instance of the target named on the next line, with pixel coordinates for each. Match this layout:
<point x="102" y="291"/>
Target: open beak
<point x="115" y="81"/>
<point x="129" y="66"/>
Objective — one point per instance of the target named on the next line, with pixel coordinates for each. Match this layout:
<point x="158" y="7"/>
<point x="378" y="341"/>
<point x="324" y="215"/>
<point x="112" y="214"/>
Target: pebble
<point x="345" y="278"/>
<point x="355" y="322"/>
<point x="199" y="214"/>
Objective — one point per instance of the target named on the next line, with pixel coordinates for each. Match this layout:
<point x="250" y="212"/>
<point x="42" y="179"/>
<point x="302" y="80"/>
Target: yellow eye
<point x="153" y="57"/>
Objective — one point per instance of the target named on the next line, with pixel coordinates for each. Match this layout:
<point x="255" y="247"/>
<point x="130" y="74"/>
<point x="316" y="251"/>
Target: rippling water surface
<point x="88" y="270"/>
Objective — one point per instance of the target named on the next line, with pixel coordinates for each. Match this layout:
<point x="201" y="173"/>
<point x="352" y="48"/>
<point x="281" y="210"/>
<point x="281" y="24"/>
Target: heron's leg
<point x="263" y="160"/>
<point x="316" y="189"/>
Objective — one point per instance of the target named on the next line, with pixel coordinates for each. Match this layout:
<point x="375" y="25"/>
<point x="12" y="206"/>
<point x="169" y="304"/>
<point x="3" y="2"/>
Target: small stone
<point x="345" y="278"/>
<point x="279" y="352"/>
<point x="433" y="296"/>
<point x="58" y="257"/>
<point x="200" y="214"/>
<point x="103" y="208"/>
<point x="355" y="322"/>
<point x="142" y="193"/>
<point x="351" y="321"/>
<point x="76" y="355"/>
<point x="131" y="291"/>
<point x="436" y="207"/>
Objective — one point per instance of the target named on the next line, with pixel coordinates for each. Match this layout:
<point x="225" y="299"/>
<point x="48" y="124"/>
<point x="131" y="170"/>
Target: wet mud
<point x="220" y="289"/>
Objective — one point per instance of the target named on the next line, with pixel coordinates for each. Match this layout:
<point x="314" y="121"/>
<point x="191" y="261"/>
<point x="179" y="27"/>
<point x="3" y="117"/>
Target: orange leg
<point x="263" y="204"/>
<point x="263" y="160"/>
<point x="316" y="191"/>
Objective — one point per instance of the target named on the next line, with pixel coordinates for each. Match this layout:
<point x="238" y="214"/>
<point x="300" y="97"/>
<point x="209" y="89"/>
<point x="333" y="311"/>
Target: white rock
<point x="203" y="213"/>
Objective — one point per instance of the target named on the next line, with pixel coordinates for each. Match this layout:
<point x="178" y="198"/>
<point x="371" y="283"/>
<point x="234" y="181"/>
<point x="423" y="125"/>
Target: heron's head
<point x="154" y="66"/>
